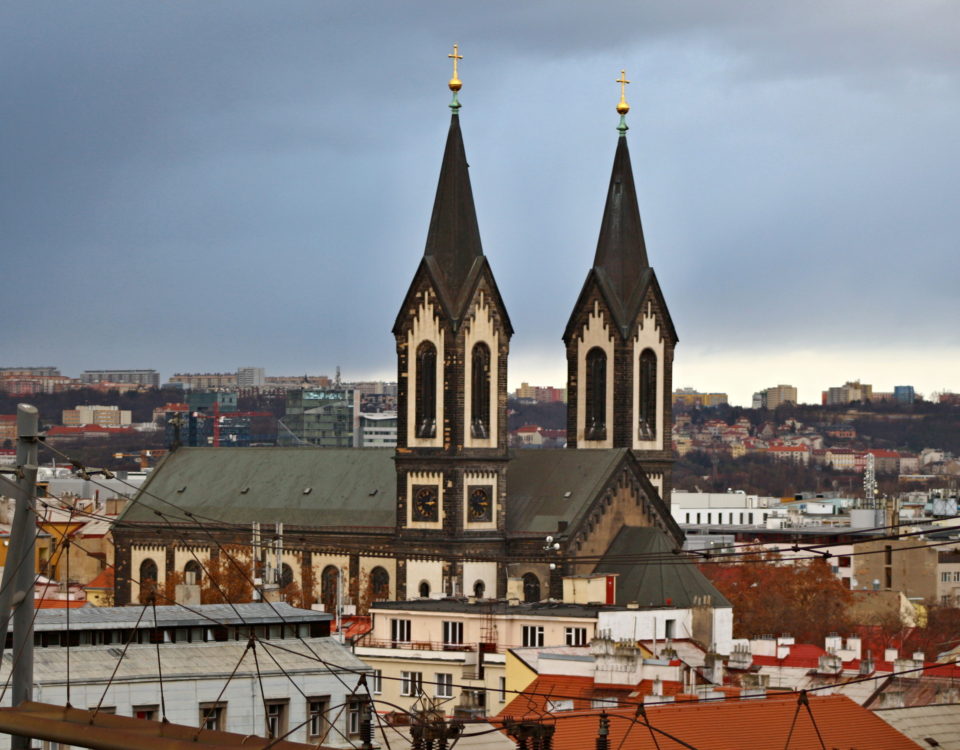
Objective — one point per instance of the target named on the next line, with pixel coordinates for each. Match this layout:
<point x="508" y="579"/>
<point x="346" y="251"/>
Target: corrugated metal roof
<point x="116" y="618"/>
<point x="659" y="580"/>
<point x="185" y="660"/>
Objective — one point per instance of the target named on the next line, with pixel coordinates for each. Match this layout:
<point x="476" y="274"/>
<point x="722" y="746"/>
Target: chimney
<point x="854" y="647"/>
<point x="890" y="654"/>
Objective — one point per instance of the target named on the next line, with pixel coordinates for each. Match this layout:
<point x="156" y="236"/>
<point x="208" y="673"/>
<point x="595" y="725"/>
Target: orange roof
<point x="59" y="603"/>
<point x="582" y="690"/>
<point x="757" y="724"/>
<point x="104" y="580"/>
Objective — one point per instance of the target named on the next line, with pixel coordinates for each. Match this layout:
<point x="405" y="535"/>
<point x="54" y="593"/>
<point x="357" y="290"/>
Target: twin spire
<point x="454" y="254"/>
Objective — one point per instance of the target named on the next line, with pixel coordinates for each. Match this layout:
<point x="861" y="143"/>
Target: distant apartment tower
<point x="541" y="394"/>
<point x="104" y="416"/>
<point x="378" y="430"/>
<point x="904" y="394"/>
<point x="29" y="372"/>
<point x="251" y="377"/>
<point x="327" y="417"/>
<point x="205" y="380"/>
<point x="848" y="393"/>
<point x="693" y="398"/>
<point x="771" y="398"/>
<point x="131" y="377"/>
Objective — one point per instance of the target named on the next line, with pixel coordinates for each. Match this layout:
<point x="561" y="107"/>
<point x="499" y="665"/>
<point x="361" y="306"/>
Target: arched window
<point x="531" y="588"/>
<point x="596" y="394"/>
<point x="478" y="588"/>
<point x="424" y="590"/>
<point x="328" y="588"/>
<point x="480" y="392"/>
<point x="286" y="575"/>
<point x="192" y="572"/>
<point x="379" y="585"/>
<point x="148" y="579"/>
<point x="426" y="411"/>
<point x="648" y="395"/>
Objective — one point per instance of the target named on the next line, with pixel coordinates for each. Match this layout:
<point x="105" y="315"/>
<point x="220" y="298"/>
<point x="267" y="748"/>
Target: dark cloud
<point x="199" y="185"/>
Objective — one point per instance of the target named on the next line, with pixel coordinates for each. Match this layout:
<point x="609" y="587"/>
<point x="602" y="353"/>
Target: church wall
<point x="480" y="571"/>
<point x="430" y="571"/>
<point x="183" y="555"/>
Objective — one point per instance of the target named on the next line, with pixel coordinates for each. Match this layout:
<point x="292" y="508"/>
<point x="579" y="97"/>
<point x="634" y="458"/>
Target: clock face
<point x="425" y="505"/>
<point x="480" y="503"/>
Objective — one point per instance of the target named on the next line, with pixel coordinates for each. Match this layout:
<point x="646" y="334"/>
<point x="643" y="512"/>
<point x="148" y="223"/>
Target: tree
<point x="229" y="577"/>
<point x="770" y="596"/>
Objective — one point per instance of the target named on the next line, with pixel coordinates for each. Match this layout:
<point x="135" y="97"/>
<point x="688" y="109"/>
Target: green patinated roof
<point x="355" y="486"/>
<point x="663" y="576"/>
<point x="348" y="486"/>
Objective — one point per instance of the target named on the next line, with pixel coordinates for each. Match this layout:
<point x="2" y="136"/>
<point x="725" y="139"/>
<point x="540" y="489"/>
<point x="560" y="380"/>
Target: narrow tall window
<point x="648" y="395"/>
<point x="148" y="579"/>
<point x="596" y="392"/>
<point x="329" y="583"/>
<point x="531" y="587"/>
<point x="426" y="412"/>
<point x="379" y="585"/>
<point x="480" y="392"/>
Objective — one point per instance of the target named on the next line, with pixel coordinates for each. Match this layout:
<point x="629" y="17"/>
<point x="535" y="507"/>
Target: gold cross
<point x="455" y="83"/>
<point x="623" y="107"/>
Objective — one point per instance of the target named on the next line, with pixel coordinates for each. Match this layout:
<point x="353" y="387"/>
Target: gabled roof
<point x="650" y="574"/>
<point x="357" y="487"/>
<point x="732" y="724"/>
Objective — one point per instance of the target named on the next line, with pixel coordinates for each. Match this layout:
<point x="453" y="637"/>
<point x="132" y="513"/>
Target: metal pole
<point x="20" y="557"/>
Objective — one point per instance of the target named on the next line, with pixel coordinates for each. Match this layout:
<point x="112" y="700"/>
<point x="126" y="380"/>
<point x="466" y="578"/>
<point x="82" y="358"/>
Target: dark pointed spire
<point x="453" y="247"/>
<point x="621" y="259"/>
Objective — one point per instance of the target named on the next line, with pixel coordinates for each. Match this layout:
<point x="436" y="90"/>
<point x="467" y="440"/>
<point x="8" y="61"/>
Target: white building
<point x="378" y="430"/>
<point x="723" y="508"/>
<point x="251" y="377"/>
<point x="308" y="678"/>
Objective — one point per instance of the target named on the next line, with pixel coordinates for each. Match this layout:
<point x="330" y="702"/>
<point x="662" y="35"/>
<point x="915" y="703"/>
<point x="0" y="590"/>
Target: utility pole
<point x="18" y="573"/>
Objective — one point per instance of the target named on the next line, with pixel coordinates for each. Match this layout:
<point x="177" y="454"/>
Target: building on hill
<point x="691" y="397"/>
<point x="771" y="398"/>
<point x="451" y="509"/>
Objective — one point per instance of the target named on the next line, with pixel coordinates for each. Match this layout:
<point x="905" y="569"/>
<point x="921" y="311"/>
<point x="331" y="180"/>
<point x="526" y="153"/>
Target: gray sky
<point x="200" y="185"/>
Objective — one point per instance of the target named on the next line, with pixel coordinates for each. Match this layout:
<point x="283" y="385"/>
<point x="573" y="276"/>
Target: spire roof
<point x="621" y="264"/>
<point x="454" y="254"/>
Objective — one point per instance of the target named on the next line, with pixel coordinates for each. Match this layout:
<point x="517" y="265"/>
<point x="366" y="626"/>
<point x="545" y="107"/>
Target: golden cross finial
<point x="455" y="82"/>
<point x="622" y="106"/>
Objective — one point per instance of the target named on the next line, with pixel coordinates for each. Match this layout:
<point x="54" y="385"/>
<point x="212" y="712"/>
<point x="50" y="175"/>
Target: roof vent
<point x="307" y="490"/>
<point x="181" y="490"/>
<point x="568" y="493"/>
<point x="373" y="492"/>
<point x="244" y="491"/>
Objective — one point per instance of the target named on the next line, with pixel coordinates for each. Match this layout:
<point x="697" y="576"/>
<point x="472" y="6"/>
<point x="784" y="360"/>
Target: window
<point x="479" y="587"/>
<point x="276" y="718"/>
<point x="945" y="577"/>
<point x="480" y="392"/>
<point x="502" y="688"/>
<point x="317" y="717"/>
<point x="145" y="712"/>
<point x="576" y="636"/>
<point x="452" y="633"/>
<point x="411" y="683"/>
<point x="444" y="685"/>
<point x="532" y="635"/>
<point x="399" y="631"/>
<point x="376" y="682"/>
<point x="604" y="703"/>
<point x="192" y="573"/>
<point x="888" y="554"/>
<point x="669" y="626"/>
<point x="956" y="576"/>
<point x="424" y="590"/>
<point x="213" y="716"/>
<point x="286" y="575"/>
<point x="888" y="578"/>
<point x="355" y="711"/>
<point x="531" y="587"/>
<point x="379" y="585"/>
<point x="329" y="583"/>
<point x="596" y="395"/>
<point x="648" y="395"/>
<point x="426" y="395"/>
<point x="148" y="579"/>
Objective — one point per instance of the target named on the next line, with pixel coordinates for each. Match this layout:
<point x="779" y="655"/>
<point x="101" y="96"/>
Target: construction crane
<point x="218" y="416"/>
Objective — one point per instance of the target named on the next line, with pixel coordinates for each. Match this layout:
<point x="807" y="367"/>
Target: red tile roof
<point x="104" y="580"/>
<point x="59" y="603"/>
<point x="754" y="724"/>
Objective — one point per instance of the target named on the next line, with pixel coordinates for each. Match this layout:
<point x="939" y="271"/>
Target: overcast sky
<point x="202" y="185"/>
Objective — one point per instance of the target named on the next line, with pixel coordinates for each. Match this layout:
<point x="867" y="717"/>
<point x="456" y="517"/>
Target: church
<point x="452" y="511"/>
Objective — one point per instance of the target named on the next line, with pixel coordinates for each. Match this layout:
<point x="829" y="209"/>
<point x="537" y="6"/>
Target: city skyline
<point x="191" y="189"/>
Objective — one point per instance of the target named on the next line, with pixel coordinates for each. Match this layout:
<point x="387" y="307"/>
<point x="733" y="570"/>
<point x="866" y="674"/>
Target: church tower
<point x="620" y="338"/>
<point x="452" y="336"/>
